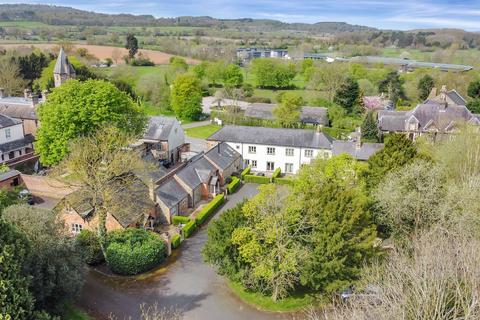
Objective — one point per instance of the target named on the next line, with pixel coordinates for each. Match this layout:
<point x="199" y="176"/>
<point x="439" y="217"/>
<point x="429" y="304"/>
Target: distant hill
<point x="57" y="15"/>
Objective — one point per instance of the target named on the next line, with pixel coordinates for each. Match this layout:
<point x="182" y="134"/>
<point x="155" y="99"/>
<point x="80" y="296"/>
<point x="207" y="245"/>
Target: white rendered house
<point x="14" y="145"/>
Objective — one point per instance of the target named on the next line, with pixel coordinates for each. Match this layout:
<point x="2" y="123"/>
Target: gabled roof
<point x="456" y="98"/>
<point x="9" y="174"/>
<point x="16" y="144"/>
<point x="297" y="138"/>
<point x="63" y="65"/>
<point x="6" y="121"/>
<point x="364" y="152"/>
<point x="196" y="172"/>
<point x="171" y="193"/>
<point x="159" y="128"/>
<point x="18" y="108"/>
<point x="222" y="155"/>
<point x="313" y="115"/>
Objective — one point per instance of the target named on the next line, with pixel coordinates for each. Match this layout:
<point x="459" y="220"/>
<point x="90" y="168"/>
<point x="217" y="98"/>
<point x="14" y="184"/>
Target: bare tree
<point x="10" y="79"/>
<point x="328" y="77"/>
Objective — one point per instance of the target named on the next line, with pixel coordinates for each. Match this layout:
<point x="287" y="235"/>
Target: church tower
<point x="63" y="70"/>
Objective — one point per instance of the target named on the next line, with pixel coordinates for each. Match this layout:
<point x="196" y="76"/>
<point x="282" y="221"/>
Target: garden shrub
<point x="176" y="241"/>
<point x="210" y="209"/>
<point x="285" y="181"/>
<point x="233" y="186"/>
<point x="245" y="172"/>
<point x="256" y="179"/>
<point x="92" y="252"/>
<point x="276" y="173"/>
<point x="133" y="251"/>
<point x="189" y="228"/>
<point x="180" y="220"/>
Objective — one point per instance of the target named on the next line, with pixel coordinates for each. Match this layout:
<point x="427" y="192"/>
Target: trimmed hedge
<point x="286" y="181"/>
<point x="92" y="252"/>
<point x="276" y="173"/>
<point x="189" y="228"/>
<point x="133" y="251"/>
<point x="210" y="209"/>
<point x="176" y="241"/>
<point x="233" y="186"/>
<point x="245" y="172"/>
<point x="256" y="179"/>
<point x="180" y="220"/>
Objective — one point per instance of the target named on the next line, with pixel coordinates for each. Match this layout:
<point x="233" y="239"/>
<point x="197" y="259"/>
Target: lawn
<point x="202" y="132"/>
<point x="292" y="303"/>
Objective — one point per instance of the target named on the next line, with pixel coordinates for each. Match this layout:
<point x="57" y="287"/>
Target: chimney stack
<point x="2" y="93"/>
<point x="151" y="190"/>
<point x="26" y="94"/>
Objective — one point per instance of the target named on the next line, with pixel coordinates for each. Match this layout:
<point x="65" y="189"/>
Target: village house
<point x="163" y="140"/>
<point x="437" y="116"/>
<point x="15" y="146"/>
<point x="355" y="147"/>
<point x="10" y="179"/>
<point x="266" y="149"/>
<point x="309" y="115"/>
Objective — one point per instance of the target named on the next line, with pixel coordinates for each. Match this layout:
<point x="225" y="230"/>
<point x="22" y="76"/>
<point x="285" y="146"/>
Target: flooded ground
<point x="186" y="283"/>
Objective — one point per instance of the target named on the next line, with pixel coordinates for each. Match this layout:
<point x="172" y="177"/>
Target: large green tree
<point x="474" y="93"/>
<point x="370" y="130"/>
<point x="347" y="95"/>
<point x="79" y="108"/>
<point x="425" y="85"/>
<point x="288" y="112"/>
<point x="232" y="76"/>
<point x="55" y="263"/>
<point x="392" y="86"/>
<point x="131" y="45"/>
<point x="186" y="97"/>
<point x="271" y="73"/>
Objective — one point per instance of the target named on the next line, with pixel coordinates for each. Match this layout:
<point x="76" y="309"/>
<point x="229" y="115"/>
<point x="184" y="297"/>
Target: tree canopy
<point x="347" y="95"/>
<point x="288" y="111"/>
<point x="425" y="85"/>
<point x="131" y="45"/>
<point x="79" y="108"/>
<point x="271" y="73"/>
<point x="186" y="97"/>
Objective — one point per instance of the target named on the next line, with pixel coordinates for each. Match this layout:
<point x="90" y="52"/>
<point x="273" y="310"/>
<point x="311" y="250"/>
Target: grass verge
<point x="296" y="302"/>
<point x="202" y="132"/>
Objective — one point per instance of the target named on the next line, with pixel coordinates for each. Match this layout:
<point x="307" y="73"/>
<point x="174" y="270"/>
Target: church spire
<point x="63" y="70"/>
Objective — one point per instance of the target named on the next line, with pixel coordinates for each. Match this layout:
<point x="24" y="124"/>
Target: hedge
<point x="256" y="179"/>
<point x="189" y="228"/>
<point x="276" y="173"/>
<point x="133" y="251"/>
<point x="210" y="209"/>
<point x="233" y="186"/>
<point x="245" y="172"/>
<point x="92" y="252"/>
<point x="176" y="241"/>
<point x="180" y="220"/>
<point x="286" y="181"/>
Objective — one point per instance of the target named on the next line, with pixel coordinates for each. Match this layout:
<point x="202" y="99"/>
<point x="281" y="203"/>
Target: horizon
<point x="406" y="15"/>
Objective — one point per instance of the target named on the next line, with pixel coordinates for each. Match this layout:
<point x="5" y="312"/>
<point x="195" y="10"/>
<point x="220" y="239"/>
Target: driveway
<point x="186" y="283"/>
<point x="211" y="102"/>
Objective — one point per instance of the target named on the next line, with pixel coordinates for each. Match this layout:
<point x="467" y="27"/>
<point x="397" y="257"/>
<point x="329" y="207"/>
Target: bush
<point x="176" y="241"/>
<point x="189" y="228"/>
<point x="258" y="100"/>
<point x="142" y="62"/>
<point x="245" y="172"/>
<point x="90" y="245"/>
<point x="256" y="179"/>
<point x="180" y="220"/>
<point x="210" y="209"/>
<point x="233" y="186"/>
<point x="285" y="181"/>
<point x="133" y="251"/>
<point x="276" y="173"/>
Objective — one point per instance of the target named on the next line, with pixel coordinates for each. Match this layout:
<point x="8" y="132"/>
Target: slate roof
<point x="19" y="108"/>
<point x="6" y="121"/>
<point x="171" y="193"/>
<point x="196" y="172"/>
<point x="159" y="128"/>
<point x="9" y="174"/>
<point x="298" y="138"/>
<point x="365" y="151"/>
<point x="456" y="98"/>
<point x="16" y="144"/>
<point x="63" y="65"/>
<point x="222" y="155"/>
<point x="313" y="115"/>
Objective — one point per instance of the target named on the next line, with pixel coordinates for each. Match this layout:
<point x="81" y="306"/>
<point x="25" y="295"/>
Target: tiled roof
<point x="196" y="172"/>
<point x="9" y="174"/>
<point x="16" y="144"/>
<point x="159" y="128"/>
<point x="313" y="115"/>
<point x="63" y="65"/>
<point x="171" y="193"/>
<point x="274" y="137"/>
<point x="222" y="155"/>
<point x="18" y="108"/>
<point x="365" y="151"/>
<point x="6" y="121"/>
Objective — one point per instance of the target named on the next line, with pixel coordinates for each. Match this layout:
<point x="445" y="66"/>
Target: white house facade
<point x="266" y="149"/>
<point x="13" y="143"/>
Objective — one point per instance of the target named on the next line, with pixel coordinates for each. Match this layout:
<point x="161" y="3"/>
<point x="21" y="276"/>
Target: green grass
<point x="258" y="300"/>
<point x="24" y="24"/>
<point x="74" y="313"/>
<point x="202" y="132"/>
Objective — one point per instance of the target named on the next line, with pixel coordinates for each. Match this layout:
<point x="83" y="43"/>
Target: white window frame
<point x="76" y="228"/>
<point x="254" y="164"/>
<point x="308" y="153"/>
<point x="252" y="149"/>
<point x="8" y="133"/>
<point x="271" y="151"/>
<point x="289" y="152"/>
<point x="288" y="167"/>
<point x="326" y="154"/>
<point x="247" y="162"/>
<point x="272" y="166"/>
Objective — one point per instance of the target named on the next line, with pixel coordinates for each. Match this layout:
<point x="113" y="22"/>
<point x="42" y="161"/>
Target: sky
<point x="384" y="14"/>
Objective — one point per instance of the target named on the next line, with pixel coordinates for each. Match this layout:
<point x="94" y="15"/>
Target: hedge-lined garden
<point x="176" y="240"/>
<point x="180" y="220"/>
<point x="233" y="185"/>
<point x="250" y="178"/>
<point x="210" y="209"/>
<point x="189" y="228"/>
<point x="134" y="251"/>
<point x="245" y="172"/>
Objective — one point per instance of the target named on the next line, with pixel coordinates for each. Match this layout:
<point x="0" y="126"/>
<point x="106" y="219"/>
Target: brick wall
<point x="71" y="217"/>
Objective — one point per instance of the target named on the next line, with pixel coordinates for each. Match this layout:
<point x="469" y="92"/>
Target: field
<point x="104" y="52"/>
<point x="202" y="132"/>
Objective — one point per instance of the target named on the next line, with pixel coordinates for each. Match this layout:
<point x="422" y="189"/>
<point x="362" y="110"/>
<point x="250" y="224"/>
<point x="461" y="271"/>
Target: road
<point x="186" y="283"/>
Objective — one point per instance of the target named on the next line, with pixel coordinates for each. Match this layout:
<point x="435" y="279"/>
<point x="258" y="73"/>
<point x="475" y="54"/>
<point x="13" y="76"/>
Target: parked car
<point x="26" y="196"/>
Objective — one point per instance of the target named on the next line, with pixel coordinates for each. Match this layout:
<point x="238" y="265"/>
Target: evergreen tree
<point x="186" y="97"/>
<point x="392" y="85"/>
<point x="425" y="85"/>
<point x="370" y="130"/>
<point x="347" y="95"/>
<point x="131" y="46"/>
